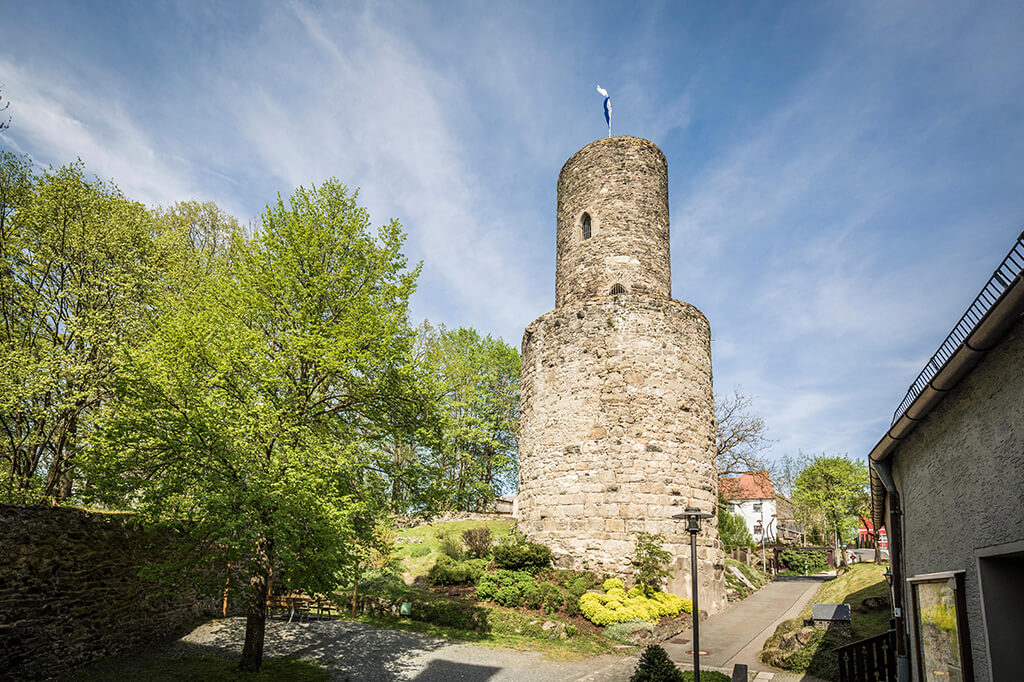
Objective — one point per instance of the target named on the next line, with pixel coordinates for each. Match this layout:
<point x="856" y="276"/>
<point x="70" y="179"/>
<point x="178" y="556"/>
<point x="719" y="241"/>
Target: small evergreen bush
<point x="656" y="666"/>
<point x="509" y="596"/>
<point x="552" y="598"/>
<point x="526" y="556"/>
<point x="533" y="598"/>
<point x="446" y="571"/>
<point x="487" y="587"/>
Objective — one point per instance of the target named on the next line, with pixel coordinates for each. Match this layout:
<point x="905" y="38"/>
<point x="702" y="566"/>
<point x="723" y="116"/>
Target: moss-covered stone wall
<point x="70" y="590"/>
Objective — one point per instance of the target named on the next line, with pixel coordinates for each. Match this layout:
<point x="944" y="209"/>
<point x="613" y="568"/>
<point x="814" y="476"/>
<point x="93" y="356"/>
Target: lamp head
<point x="692" y="516"/>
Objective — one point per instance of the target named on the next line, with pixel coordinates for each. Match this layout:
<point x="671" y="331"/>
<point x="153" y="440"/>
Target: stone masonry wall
<point x="70" y="591"/>
<point x="617" y="434"/>
<point x="622" y="183"/>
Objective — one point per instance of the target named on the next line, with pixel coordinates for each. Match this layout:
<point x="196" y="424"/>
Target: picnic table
<point x="303" y="605"/>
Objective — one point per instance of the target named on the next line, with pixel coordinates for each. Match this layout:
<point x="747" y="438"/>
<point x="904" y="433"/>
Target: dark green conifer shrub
<point x="656" y="666"/>
<point x="526" y="556"/>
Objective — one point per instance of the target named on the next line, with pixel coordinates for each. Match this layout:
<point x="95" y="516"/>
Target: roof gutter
<point x="989" y="331"/>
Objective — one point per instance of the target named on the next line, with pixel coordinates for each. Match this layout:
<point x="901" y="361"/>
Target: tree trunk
<point x="255" y="624"/>
<point x="256" y="612"/>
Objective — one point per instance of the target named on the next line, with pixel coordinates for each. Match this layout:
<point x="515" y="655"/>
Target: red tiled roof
<point x="753" y="485"/>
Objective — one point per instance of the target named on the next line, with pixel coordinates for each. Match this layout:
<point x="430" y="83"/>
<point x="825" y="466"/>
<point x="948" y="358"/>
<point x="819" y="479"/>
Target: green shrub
<point x="486" y="587"/>
<point x="656" y="666"/>
<point x="477" y="541"/>
<point x="651" y="560"/>
<point x="552" y="598"/>
<point x="533" y="598"/>
<point x="449" y="544"/>
<point x="798" y="560"/>
<point x="616" y="606"/>
<point x="451" y="614"/>
<point x="446" y="571"/>
<point x="611" y="584"/>
<point x="527" y="556"/>
<point x="506" y="577"/>
<point x="509" y="596"/>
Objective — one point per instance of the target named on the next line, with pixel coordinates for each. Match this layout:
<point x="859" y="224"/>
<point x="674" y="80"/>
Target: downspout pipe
<point x="884" y="471"/>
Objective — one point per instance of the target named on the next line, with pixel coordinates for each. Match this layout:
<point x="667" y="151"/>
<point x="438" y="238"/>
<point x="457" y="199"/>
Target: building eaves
<point x="992" y="314"/>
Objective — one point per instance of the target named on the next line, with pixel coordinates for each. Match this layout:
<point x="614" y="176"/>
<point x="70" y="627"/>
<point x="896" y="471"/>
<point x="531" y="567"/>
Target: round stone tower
<point x="617" y="429"/>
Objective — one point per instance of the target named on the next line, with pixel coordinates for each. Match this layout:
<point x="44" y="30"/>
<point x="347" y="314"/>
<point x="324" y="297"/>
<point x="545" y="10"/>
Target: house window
<point x="618" y="289"/>
<point x="940" y="627"/>
<point x="586" y="226"/>
<point x="757" y="506"/>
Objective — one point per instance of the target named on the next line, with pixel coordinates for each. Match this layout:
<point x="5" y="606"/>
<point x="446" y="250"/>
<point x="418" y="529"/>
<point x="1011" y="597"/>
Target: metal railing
<point x="869" y="660"/>
<point x="1001" y="279"/>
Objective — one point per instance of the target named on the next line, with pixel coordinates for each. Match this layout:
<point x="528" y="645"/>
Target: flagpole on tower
<point x="607" y="108"/>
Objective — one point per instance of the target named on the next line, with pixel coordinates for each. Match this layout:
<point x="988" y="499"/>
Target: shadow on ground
<point x="344" y="647"/>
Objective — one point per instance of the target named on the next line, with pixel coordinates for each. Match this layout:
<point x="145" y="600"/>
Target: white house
<point x="752" y="497"/>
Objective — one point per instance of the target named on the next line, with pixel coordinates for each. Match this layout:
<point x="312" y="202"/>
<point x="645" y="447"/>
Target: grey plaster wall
<point x="961" y="477"/>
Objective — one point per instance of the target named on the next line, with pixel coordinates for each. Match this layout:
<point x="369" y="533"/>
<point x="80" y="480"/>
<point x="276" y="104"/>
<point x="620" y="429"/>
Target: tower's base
<point x="617" y="435"/>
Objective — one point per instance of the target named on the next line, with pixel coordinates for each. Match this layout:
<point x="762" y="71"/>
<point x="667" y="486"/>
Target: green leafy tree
<point x="78" y="269"/>
<point x="253" y="414"/>
<point x="732" y="529"/>
<point x="476" y="379"/>
<point x="838" y="487"/>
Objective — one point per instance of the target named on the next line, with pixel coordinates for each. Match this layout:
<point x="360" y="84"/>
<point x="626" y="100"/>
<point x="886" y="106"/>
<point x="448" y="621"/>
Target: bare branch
<point x="741" y="436"/>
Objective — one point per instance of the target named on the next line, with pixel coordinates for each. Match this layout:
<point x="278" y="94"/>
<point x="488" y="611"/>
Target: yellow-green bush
<point x="618" y="606"/>
<point x="612" y="582"/>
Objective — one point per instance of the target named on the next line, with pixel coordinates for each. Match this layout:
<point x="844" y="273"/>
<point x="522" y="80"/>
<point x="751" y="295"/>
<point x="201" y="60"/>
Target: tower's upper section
<point x="613" y="221"/>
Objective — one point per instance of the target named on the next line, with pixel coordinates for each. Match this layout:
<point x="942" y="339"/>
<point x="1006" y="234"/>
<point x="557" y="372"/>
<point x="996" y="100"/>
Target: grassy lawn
<point x="417" y="558"/>
<point x="816" y="656"/>
<point x="854" y="586"/>
<point x="158" y="669"/>
<point x="756" y="577"/>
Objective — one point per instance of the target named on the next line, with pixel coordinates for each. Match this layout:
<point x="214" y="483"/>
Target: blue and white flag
<point x="607" y="108"/>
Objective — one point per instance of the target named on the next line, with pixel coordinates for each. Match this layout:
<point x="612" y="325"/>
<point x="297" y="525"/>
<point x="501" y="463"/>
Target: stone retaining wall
<point x="70" y="591"/>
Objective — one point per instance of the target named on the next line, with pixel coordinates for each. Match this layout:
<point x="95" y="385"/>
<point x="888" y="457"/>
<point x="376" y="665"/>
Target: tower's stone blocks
<point x="621" y="183"/>
<point x="617" y="413"/>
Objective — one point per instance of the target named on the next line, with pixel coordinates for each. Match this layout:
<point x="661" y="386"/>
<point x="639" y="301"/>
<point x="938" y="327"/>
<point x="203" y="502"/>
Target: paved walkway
<point x="737" y="634"/>
<point x="353" y="651"/>
<point x="361" y="653"/>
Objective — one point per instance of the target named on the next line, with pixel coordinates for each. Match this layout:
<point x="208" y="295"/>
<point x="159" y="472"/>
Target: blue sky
<point x="843" y="177"/>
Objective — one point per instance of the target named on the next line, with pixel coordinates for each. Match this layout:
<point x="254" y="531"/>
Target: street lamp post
<point x="693" y="517"/>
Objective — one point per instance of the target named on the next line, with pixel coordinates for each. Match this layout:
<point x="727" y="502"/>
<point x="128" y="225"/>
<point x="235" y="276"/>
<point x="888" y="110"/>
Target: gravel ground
<point x="358" y="652"/>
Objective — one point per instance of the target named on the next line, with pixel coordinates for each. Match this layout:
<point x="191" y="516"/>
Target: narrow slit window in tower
<point x="586" y="226"/>
<point x="618" y="289"/>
